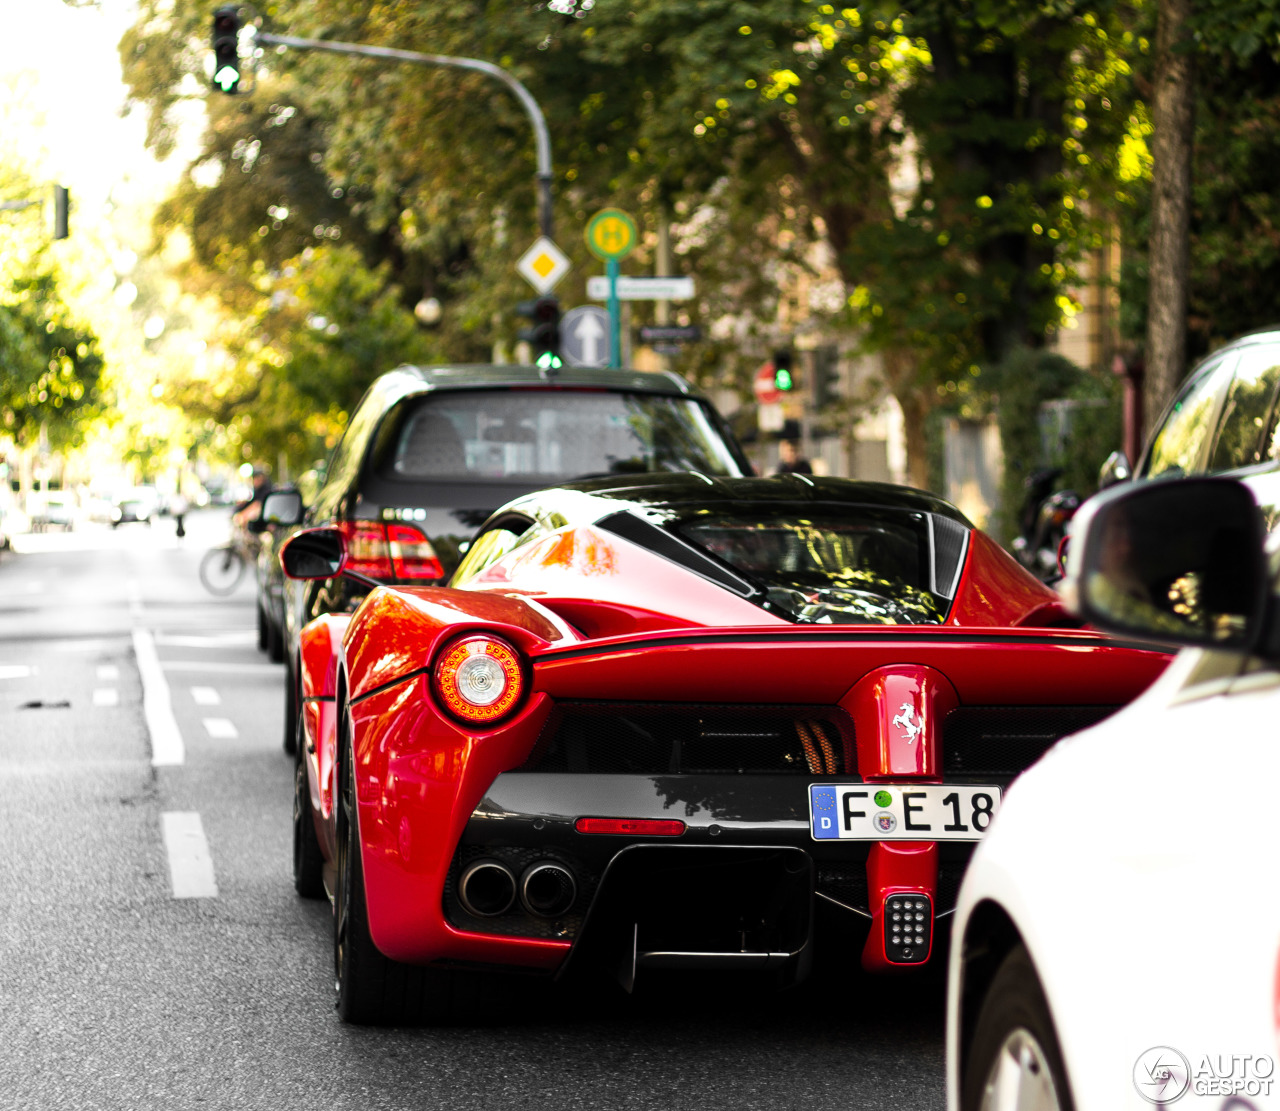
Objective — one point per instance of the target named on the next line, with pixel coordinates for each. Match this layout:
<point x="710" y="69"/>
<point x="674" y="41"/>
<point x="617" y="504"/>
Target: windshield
<point x="866" y="567"/>
<point x="550" y="436"/>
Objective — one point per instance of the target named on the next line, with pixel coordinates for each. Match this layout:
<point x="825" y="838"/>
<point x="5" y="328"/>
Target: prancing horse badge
<point x="910" y="721"/>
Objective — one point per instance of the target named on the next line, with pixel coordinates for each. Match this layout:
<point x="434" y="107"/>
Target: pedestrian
<point x="251" y="510"/>
<point x="178" y="508"/>
<point x="790" y="461"/>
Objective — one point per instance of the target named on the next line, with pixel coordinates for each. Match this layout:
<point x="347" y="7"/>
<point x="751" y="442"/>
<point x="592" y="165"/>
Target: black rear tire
<point x="275" y="642"/>
<point x="264" y="635"/>
<point x="308" y="861"/>
<point x="371" y="989"/>
<point x="292" y="712"/>
<point x="1014" y="1030"/>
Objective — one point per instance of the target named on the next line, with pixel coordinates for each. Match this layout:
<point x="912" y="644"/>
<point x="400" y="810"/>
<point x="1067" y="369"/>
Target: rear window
<point x="866" y="566"/>
<point x="549" y="436"/>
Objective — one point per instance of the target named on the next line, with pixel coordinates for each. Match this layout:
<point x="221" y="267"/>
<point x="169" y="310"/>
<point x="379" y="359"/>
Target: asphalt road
<point x="114" y="993"/>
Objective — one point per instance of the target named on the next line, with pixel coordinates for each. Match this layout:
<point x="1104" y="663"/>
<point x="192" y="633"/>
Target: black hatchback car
<point x="430" y="452"/>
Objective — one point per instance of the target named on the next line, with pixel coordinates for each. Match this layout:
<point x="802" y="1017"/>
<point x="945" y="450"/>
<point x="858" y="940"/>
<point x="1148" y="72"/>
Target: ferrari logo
<point x="910" y="722"/>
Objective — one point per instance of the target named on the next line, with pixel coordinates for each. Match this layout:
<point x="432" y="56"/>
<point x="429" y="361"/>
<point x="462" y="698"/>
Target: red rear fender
<point x="318" y="645"/>
<point x="396" y="632"/>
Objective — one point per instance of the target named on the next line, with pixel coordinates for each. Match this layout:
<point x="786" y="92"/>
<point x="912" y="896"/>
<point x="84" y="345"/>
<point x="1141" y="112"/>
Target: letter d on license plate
<point x="901" y="812"/>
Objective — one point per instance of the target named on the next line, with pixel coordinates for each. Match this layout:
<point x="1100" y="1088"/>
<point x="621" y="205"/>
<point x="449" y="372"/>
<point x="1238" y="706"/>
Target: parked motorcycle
<point x="1044" y="520"/>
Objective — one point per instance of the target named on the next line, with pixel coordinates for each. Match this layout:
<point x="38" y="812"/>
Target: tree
<point x="944" y="153"/>
<point x="1173" y="103"/>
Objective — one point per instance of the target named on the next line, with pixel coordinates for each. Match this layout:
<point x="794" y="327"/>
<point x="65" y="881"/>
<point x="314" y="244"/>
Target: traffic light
<point x="544" y="336"/>
<point x="783" y="379"/>
<point x="61" y="212"/>
<point x="826" y="376"/>
<point x="226" y="49"/>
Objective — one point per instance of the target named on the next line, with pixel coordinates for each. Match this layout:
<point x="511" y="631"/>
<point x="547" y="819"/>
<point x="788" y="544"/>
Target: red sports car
<point x="655" y="719"/>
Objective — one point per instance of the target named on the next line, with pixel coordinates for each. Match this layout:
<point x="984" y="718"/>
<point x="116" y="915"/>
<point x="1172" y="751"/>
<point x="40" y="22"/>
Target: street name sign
<point x="670" y="333"/>
<point x="543" y="265"/>
<point x="641" y="289"/>
<point x="584" y="337"/>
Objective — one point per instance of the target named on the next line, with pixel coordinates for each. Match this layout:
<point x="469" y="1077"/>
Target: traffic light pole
<point x="385" y="53"/>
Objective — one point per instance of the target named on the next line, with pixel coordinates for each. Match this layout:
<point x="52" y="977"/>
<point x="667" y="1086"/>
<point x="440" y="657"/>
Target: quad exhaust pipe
<point x="547" y="889"/>
<point x="488" y="888"/>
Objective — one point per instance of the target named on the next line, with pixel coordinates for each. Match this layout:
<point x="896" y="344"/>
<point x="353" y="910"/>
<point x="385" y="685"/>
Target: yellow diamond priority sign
<point x="543" y="265"/>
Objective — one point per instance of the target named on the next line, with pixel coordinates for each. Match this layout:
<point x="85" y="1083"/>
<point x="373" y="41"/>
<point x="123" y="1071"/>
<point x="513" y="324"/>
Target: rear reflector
<point x="632" y="827"/>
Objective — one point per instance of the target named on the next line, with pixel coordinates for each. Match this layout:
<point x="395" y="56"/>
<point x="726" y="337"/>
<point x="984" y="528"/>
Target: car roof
<point x="690" y="491"/>
<point x="408" y="379"/>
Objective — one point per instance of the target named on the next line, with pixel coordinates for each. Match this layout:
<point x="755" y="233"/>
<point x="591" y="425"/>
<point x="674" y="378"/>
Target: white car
<point x="1116" y="937"/>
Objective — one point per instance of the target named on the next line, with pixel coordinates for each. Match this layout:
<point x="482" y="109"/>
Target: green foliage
<point x="49" y="363"/>
<point x="320" y="329"/>
<point x="1023" y="382"/>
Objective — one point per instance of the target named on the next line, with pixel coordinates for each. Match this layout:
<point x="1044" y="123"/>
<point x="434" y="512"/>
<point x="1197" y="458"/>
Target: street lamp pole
<point x="386" y="53"/>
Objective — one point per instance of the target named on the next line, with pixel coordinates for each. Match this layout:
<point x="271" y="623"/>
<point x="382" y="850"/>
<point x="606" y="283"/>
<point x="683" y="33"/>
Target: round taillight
<point x="478" y="678"/>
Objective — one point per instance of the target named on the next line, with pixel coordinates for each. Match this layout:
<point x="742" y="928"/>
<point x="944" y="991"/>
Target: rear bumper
<point x="736" y="890"/>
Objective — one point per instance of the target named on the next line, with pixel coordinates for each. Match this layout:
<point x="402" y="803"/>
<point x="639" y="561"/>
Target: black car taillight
<point x="389" y="551"/>
<point x="412" y="555"/>
<point x="367" y="552"/>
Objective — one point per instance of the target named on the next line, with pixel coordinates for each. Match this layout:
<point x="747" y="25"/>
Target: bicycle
<point x="222" y="568"/>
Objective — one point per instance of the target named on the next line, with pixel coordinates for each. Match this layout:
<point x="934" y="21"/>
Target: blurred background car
<point x="430" y="452"/>
<point x="1115" y="942"/>
<point x="54" y="509"/>
<point x="140" y="504"/>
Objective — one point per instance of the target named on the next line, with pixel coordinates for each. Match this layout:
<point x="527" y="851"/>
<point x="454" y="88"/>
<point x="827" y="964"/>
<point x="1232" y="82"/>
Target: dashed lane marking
<point x="223" y="729"/>
<point x="106" y="696"/>
<point x="157" y="707"/>
<point x="108" y="673"/>
<point x="205" y="696"/>
<point x="16" y="671"/>
<point x="190" y="863"/>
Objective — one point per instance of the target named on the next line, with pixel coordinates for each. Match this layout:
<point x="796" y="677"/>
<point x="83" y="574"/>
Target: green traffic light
<point x="782" y="379"/>
<point x="227" y="78"/>
<point x="549" y="360"/>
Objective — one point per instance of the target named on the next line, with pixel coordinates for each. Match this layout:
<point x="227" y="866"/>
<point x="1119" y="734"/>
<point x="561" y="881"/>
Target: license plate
<point x="901" y="812"/>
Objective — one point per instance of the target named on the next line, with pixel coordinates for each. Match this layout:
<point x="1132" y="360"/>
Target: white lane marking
<point x="219" y="640"/>
<point x="166" y="741"/>
<point x="205" y="696"/>
<point x="106" y="696"/>
<point x="134" y="591"/>
<point x="108" y="673"/>
<point x="221" y="728"/>
<point x="223" y="668"/>
<point x="33" y="587"/>
<point x="16" y="671"/>
<point x="190" y="865"/>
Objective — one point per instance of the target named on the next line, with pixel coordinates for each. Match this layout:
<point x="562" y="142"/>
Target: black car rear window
<point x="859" y="566"/>
<point x="549" y="436"/>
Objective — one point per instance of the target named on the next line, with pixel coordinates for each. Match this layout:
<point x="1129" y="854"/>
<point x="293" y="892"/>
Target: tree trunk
<point x="901" y="373"/>
<point x="1169" y="249"/>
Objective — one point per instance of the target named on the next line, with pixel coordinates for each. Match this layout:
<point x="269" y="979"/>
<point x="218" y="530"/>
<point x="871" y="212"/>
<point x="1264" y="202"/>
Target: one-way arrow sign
<point x="584" y="337"/>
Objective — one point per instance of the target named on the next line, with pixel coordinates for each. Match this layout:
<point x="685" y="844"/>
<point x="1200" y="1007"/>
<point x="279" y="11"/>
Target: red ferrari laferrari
<point x="655" y="719"/>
